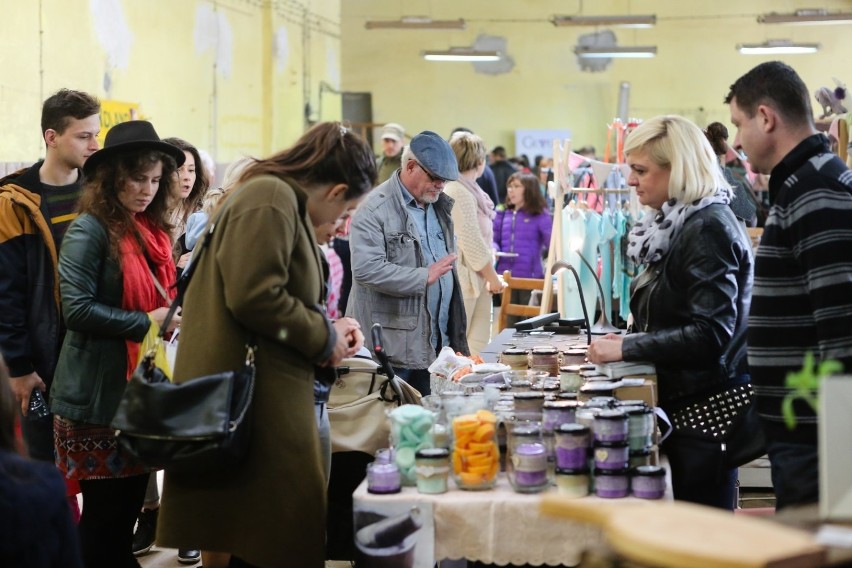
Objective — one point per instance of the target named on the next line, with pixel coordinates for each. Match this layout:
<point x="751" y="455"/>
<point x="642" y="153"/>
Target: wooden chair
<point x="507" y="308"/>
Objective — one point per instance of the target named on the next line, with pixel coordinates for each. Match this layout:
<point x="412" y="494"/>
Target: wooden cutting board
<point x="683" y="535"/>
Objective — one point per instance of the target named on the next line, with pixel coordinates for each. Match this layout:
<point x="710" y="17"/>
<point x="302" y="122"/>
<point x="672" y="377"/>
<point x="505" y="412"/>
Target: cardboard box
<point x="646" y="392"/>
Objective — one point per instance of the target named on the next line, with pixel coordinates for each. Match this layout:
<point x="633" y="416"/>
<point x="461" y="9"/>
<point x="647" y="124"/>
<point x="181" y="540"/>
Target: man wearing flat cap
<point x="403" y="255"/>
<point x="393" y="140"/>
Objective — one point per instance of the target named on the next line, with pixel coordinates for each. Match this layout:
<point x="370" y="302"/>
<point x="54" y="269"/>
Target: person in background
<point x="393" y="140"/>
<point x="187" y="197"/>
<point x="36" y="207"/>
<point x="742" y="204"/>
<point x="403" y="262"/>
<point x="691" y="301"/>
<point x="472" y="214"/>
<point x="260" y="280"/>
<point x="485" y="181"/>
<point x="116" y="277"/>
<point x="803" y="270"/>
<point x="35" y="520"/>
<point x="502" y="170"/>
<point x="522" y="231"/>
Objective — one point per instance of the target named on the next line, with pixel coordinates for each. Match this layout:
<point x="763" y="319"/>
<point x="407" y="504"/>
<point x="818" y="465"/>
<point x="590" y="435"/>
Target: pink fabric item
<point x="335" y="281"/>
<point x="484" y="207"/>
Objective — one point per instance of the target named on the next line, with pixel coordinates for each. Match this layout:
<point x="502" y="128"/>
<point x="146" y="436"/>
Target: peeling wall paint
<point x="213" y="33"/>
<point x="112" y="31"/>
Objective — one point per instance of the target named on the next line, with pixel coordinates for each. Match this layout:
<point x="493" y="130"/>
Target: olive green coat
<point x="261" y="274"/>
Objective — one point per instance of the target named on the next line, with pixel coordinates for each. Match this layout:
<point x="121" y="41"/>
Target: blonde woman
<point x="473" y="214"/>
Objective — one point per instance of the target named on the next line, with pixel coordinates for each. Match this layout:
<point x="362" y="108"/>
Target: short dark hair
<point x="499" y="151"/>
<point x="59" y="108"/>
<point x="775" y="84"/>
<point x="717" y="135"/>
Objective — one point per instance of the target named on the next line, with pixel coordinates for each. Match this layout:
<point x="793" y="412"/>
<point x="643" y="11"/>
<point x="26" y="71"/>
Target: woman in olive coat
<point x="261" y="277"/>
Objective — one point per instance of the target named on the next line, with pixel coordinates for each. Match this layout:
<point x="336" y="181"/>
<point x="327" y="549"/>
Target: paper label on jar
<point x="529" y="463"/>
<point x="431" y="471"/>
<point x="601" y="455"/>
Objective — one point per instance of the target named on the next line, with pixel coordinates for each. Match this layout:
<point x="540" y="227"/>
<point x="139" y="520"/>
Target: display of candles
<point x="612" y="483"/>
<point x="476" y="457"/>
<point x="572" y="482"/>
<point x="526" y="464"/>
<point x="555" y="413"/>
<point x="545" y="358"/>
<point x="640" y="429"/>
<point x="383" y="478"/>
<point x="411" y="430"/>
<point x="639" y="457"/>
<point x="574" y="356"/>
<point x="610" y="455"/>
<point x="517" y="359"/>
<point x="433" y="469"/>
<point x="592" y="390"/>
<point x="610" y="426"/>
<point x="530" y="402"/>
<point x="648" y="482"/>
<point x="585" y="415"/>
<point x="572" y="446"/>
<point x="384" y="455"/>
<point x="570" y="379"/>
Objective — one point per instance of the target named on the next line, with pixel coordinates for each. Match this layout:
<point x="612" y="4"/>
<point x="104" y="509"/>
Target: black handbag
<point x="197" y="426"/>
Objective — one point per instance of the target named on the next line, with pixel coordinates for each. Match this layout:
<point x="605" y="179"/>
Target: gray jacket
<point x="389" y="275"/>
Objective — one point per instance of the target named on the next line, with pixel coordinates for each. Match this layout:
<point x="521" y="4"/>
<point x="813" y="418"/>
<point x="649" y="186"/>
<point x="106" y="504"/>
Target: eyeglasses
<point x="432" y="178"/>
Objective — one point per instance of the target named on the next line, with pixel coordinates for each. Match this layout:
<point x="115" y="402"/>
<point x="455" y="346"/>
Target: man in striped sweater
<point x="802" y="297"/>
<point x="36" y="206"/>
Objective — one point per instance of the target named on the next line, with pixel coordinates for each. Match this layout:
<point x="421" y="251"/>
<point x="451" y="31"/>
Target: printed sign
<point x="538" y="142"/>
<point x="115" y="112"/>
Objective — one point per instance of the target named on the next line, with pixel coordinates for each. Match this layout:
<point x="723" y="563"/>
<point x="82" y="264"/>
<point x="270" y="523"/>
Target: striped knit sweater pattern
<point x="802" y="296"/>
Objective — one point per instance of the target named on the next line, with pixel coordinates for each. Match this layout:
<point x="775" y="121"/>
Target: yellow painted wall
<point x="696" y="63"/>
<point x="162" y="54"/>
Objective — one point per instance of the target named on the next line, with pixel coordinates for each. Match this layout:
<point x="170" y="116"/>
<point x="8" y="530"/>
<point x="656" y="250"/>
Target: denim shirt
<point x="438" y="295"/>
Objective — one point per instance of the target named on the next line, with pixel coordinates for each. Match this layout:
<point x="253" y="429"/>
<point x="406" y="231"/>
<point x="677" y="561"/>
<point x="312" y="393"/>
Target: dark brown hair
<point x="100" y="194"/>
<point x="59" y="108"/>
<point x="777" y="85"/>
<point x="534" y="201"/>
<point x="328" y="153"/>
<point x="717" y="135"/>
<point x="192" y="203"/>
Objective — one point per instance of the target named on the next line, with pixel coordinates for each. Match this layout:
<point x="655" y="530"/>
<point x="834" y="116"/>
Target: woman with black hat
<point x="116" y="277"/>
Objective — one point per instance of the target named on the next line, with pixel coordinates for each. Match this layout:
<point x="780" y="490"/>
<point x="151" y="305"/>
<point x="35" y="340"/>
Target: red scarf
<point x="140" y="293"/>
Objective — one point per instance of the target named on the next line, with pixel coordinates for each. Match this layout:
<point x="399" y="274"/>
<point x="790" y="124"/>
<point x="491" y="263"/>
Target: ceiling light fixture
<point x="777" y="46"/>
<point x="415" y="23"/>
<point x="642" y="52"/>
<point x="606" y="21"/>
<point x="814" y="17"/>
<point x="462" y="54"/>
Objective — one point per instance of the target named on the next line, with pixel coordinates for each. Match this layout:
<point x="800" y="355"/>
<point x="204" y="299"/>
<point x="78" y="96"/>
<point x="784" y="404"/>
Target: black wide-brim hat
<point x="132" y="135"/>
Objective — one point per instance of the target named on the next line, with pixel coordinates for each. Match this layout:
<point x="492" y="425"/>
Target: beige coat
<point x="261" y="275"/>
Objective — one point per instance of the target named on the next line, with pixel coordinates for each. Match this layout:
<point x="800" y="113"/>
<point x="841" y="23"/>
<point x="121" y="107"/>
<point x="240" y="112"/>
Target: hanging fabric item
<point x="608" y="232"/>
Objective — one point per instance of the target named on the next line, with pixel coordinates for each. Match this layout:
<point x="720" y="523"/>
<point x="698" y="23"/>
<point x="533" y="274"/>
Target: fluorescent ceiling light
<point x="807" y="18"/>
<point x="777" y="46"/>
<point x="606" y="21"/>
<point x="621" y="52"/>
<point x="462" y="54"/>
<point x="415" y="23"/>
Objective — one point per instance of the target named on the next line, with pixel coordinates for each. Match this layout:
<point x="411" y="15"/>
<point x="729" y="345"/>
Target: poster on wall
<point x="115" y="112"/>
<point x="394" y="534"/>
<point x="534" y="143"/>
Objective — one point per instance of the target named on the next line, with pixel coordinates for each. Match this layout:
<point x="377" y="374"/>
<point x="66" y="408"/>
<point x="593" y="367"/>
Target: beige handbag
<point x="358" y="404"/>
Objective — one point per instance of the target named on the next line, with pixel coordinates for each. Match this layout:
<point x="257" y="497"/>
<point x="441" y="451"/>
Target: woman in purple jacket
<point x="522" y="233"/>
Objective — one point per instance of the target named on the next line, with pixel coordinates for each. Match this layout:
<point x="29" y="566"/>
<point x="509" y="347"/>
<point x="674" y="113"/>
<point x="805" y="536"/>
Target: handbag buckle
<point x="250" y="349"/>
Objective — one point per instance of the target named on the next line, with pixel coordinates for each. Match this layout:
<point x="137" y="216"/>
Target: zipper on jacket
<point x="648" y="300"/>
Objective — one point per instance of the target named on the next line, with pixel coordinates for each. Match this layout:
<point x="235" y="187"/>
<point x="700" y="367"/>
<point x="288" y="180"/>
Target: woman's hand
<point x="349" y="341"/>
<point x="606" y="349"/>
<point x="159" y="316"/>
<point x="184" y="258"/>
<point x="495" y="285"/>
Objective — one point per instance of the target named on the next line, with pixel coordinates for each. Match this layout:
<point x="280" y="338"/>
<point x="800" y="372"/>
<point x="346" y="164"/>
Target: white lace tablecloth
<point x="498" y="526"/>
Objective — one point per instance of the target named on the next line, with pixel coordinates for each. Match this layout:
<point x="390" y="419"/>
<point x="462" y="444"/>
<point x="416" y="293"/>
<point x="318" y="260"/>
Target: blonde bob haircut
<point x="674" y="142"/>
<point x="469" y="150"/>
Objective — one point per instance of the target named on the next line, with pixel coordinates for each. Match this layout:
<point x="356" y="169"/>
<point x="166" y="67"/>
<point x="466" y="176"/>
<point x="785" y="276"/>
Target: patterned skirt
<point x="91" y="451"/>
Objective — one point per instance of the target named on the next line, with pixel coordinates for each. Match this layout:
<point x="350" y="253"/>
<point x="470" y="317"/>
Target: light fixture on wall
<point x="606" y="21"/>
<point x="810" y="17"/>
<point x="462" y="54"/>
<point x="639" y="52"/>
<point x="415" y="23"/>
<point x="777" y="47"/>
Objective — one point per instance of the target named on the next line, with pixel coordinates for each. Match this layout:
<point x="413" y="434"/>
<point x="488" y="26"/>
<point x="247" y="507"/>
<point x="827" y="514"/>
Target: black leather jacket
<point x="691" y="308"/>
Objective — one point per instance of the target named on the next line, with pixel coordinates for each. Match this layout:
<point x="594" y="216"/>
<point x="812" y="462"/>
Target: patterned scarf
<point x="652" y="236"/>
<point x="139" y="293"/>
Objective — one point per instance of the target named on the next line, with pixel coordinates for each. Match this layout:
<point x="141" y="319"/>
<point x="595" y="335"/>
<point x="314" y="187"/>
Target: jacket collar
<point x="798" y="156"/>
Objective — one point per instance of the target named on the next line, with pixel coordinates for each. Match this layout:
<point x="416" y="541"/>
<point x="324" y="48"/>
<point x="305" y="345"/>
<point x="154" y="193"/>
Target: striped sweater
<point x="802" y="297"/>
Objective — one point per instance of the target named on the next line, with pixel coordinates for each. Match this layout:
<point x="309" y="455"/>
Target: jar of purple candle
<point x="611" y="455"/>
<point x="649" y="482"/>
<point x="610" y="426"/>
<point x="555" y="413"/>
<point x="526" y="463"/>
<point x="612" y="483"/>
<point x="383" y="478"/>
<point x="572" y="446"/>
